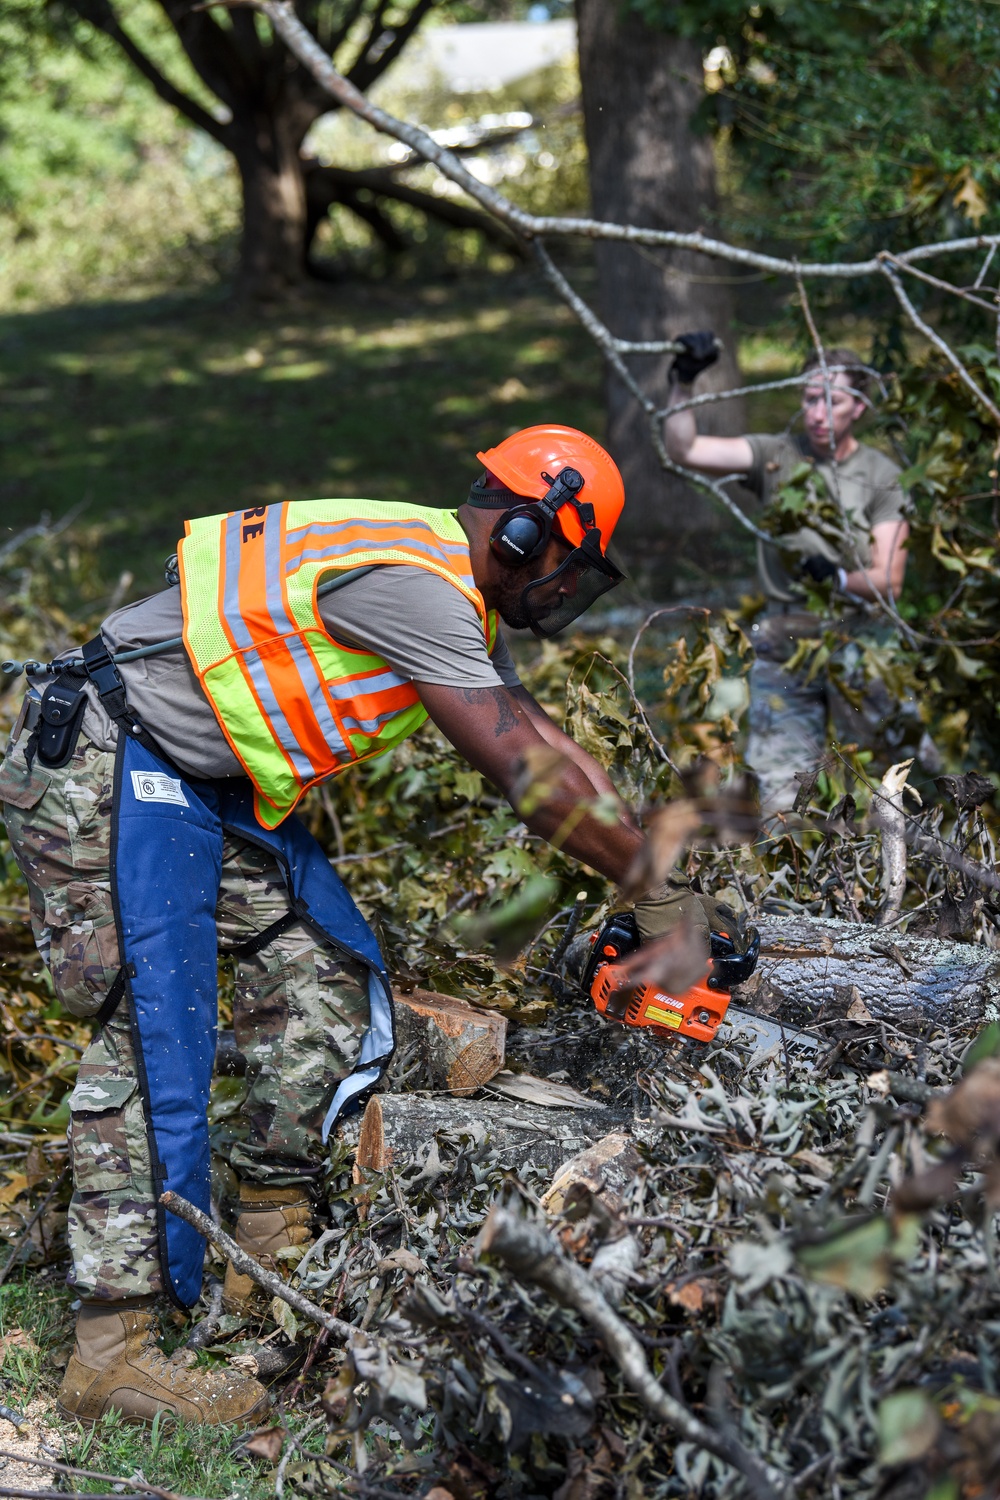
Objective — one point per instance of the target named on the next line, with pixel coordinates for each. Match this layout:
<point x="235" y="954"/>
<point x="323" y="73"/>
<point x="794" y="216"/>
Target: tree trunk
<point x="273" y="245"/>
<point x="647" y="167"/>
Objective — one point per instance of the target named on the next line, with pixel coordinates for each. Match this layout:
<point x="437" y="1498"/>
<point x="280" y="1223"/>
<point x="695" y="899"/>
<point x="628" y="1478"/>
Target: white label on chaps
<point x="153" y="786"/>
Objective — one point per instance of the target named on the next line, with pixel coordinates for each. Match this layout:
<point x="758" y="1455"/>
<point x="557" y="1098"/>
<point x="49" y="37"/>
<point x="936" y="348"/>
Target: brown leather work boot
<point x="270" y="1219"/>
<point x="116" y="1365"/>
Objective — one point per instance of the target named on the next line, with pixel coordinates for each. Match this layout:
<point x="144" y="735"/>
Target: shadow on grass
<point x="153" y="411"/>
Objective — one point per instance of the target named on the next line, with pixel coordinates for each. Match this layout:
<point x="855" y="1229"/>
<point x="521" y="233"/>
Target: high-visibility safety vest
<point x="296" y="706"/>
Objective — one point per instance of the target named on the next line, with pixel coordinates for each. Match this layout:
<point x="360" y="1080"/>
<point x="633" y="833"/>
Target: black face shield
<point x="588" y="574"/>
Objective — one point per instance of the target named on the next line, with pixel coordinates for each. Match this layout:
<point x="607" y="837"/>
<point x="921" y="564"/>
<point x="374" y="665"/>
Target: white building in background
<point x="483" y="55"/>
<point x="473" y="57"/>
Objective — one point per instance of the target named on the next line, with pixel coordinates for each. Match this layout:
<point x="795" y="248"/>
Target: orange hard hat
<point x="528" y="461"/>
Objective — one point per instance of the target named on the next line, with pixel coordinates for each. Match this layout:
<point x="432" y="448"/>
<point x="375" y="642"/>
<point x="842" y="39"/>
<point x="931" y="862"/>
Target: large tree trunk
<point x="273" y="246"/>
<point x="647" y="167"/>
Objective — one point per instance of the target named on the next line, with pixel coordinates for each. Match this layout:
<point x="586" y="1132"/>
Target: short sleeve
<point x="889" y="501"/>
<point x="424" y="627"/>
<point x="503" y="663"/>
<point x="768" y="451"/>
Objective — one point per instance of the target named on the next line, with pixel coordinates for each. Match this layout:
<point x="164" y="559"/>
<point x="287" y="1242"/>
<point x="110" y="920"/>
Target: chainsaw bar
<point x="765" y="1033"/>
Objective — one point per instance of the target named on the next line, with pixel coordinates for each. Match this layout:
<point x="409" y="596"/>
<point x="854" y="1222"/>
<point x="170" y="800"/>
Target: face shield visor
<point x="551" y="603"/>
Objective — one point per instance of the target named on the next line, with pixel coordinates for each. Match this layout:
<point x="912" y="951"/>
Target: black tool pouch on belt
<point x="63" y="703"/>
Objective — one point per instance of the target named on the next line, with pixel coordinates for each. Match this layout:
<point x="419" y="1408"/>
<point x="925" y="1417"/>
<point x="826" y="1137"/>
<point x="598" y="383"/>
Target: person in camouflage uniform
<point x="299" y="1011"/>
<point x="792" y="712"/>
<point x="410" y="635"/>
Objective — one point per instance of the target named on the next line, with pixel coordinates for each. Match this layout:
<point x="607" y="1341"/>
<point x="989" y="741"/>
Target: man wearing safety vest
<point x="149" y="791"/>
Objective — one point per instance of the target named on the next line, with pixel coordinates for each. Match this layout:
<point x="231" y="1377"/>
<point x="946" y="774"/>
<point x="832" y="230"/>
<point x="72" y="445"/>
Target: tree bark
<point x="396" y="1129"/>
<point x="273" y="245"/>
<point x="648" y="167"/>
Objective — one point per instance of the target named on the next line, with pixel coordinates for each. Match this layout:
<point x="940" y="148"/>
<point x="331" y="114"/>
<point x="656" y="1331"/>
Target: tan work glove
<point x="674" y="903"/>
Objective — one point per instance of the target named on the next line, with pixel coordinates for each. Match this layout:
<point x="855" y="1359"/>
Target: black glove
<point x="700" y="350"/>
<point x="819" y="568"/>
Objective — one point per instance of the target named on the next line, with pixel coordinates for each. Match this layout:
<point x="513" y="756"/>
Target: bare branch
<point x="249" y="1267"/>
<point x="605" y="340"/>
<point x="984" y="267"/>
<point x="308" y="51"/>
<point x="945" y="286"/>
<point x="139" y="1486"/>
<point x="533" y="1256"/>
<point x="707" y="397"/>
<point x="938" y="342"/>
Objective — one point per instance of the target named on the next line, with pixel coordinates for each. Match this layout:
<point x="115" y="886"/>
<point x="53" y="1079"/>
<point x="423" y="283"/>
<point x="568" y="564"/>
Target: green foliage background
<point x="857" y="123"/>
<point x="103" y="189"/>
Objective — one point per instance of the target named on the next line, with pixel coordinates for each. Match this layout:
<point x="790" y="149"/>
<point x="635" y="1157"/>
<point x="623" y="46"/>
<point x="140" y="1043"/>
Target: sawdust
<point x="17" y="1445"/>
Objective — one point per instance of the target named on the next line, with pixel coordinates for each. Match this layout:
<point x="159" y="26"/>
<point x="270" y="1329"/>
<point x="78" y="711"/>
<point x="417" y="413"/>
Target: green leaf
<point x="861" y="1258"/>
<point x="986" y="1044"/>
<point x="908" y="1425"/>
<point x="469" y="784"/>
<point x="508" y="928"/>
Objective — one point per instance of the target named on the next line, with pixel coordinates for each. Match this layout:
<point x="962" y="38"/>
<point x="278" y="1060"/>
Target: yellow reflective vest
<point x="295" y="705"/>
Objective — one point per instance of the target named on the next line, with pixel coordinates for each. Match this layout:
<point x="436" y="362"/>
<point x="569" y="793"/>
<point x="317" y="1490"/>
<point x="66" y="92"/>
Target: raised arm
<point x="496" y="729"/>
<point x="713" y="456"/>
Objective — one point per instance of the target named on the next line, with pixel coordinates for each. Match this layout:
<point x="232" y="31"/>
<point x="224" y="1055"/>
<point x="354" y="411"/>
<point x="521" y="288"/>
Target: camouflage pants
<point x="791" y="721"/>
<point x="299" y="1013"/>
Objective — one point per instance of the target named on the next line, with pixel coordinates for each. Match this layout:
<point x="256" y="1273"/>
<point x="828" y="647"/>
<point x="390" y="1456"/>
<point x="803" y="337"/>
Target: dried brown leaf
<point x="970" y="1112"/>
<point x="404" y="1260"/>
<point x="692" y="1295"/>
<point x="266" y="1443"/>
<point x="668" y="832"/>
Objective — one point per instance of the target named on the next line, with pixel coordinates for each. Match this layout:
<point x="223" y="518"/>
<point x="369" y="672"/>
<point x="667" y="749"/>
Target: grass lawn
<point x="36" y="1337"/>
<point x="150" y="412"/>
<point x="147" y="412"/>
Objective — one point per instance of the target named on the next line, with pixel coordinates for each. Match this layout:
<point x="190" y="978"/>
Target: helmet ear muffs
<point x="519" y="536"/>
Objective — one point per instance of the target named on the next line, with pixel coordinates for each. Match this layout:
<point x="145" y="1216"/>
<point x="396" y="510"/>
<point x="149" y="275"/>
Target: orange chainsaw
<point x="697" y="1013"/>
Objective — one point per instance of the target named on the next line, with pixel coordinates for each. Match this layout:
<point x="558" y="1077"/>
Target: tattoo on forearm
<point x="500" y="699"/>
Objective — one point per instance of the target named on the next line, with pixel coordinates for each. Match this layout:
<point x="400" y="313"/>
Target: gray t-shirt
<point x="868" y="487"/>
<point x="424" y="628"/>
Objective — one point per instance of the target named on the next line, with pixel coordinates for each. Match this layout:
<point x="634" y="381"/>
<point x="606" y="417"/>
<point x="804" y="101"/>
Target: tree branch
<point x="530" y="1253"/>
<point x="282" y="16"/>
<point x="100" y="13"/>
<point x="364" y="73"/>
<point x="140" y="1487"/>
<point x="249" y="1267"/>
<point x="935" y="338"/>
<point x="327" y="185"/>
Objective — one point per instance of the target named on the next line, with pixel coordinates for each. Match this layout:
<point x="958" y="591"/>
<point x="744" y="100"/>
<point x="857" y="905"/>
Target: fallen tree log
<point x="811" y="965"/>
<point x="455" y="1046"/>
<point x="396" y="1127"/>
<point x="606" y="1170"/>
